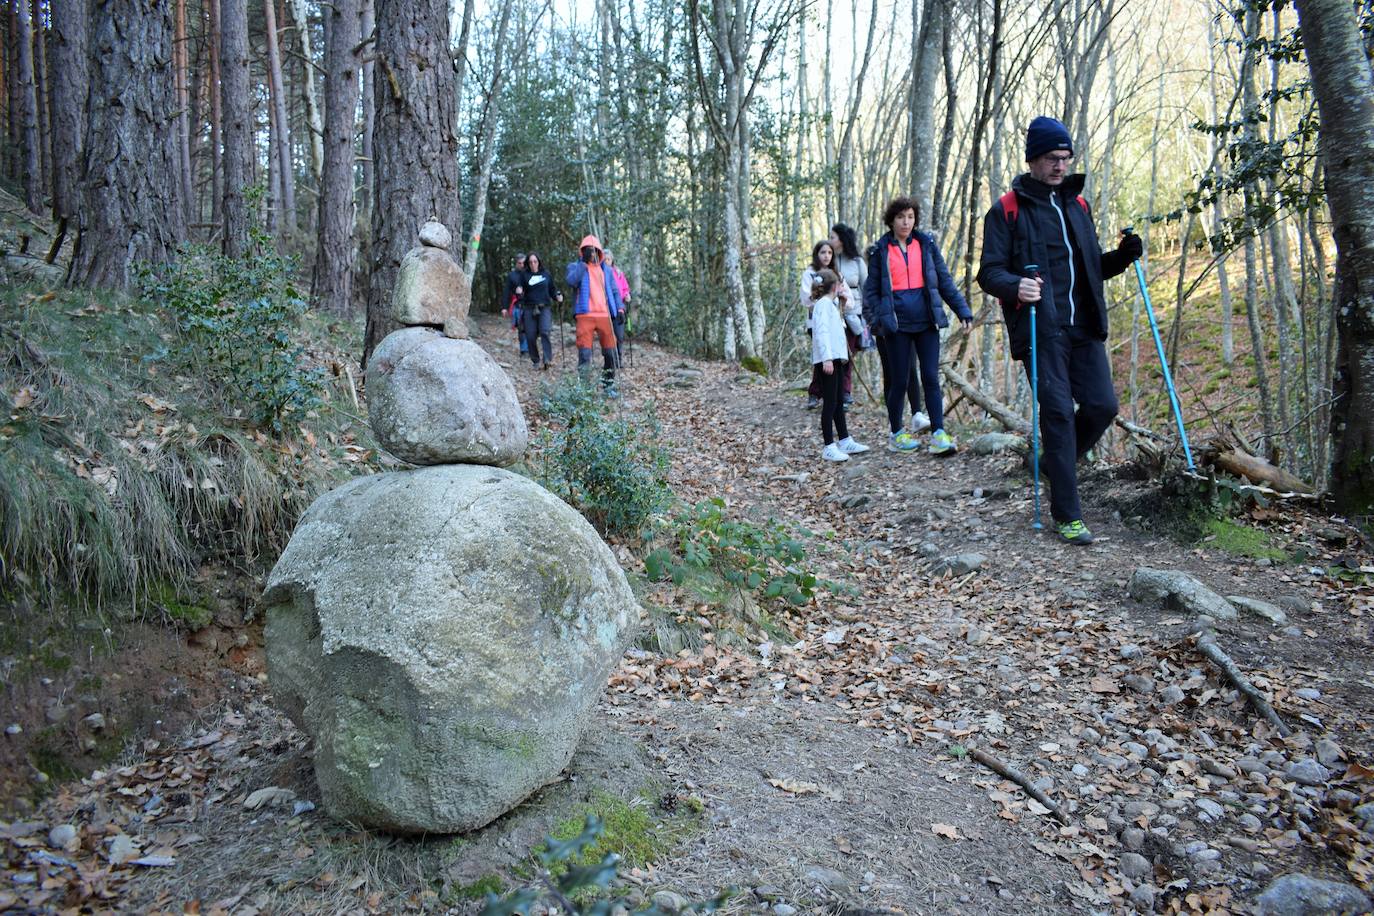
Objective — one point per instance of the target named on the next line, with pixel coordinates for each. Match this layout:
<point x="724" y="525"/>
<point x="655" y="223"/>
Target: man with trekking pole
<point x="1043" y="223"/>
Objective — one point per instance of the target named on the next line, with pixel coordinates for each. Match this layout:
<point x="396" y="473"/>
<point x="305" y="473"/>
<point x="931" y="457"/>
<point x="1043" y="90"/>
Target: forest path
<point x="827" y="775"/>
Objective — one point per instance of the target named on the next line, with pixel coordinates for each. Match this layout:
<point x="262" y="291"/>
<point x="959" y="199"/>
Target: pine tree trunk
<point x="367" y="15"/>
<point x="183" y="97"/>
<point x="216" y="115"/>
<point x="236" y="106"/>
<point x="41" y="88"/>
<point x="68" y="79"/>
<point x="415" y="150"/>
<point x="131" y="206"/>
<point x="333" y="278"/>
<point x="1344" y="86"/>
<point x="27" y="113"/>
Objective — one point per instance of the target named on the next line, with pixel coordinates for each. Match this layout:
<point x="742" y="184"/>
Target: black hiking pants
<point x="1073" y="368"/>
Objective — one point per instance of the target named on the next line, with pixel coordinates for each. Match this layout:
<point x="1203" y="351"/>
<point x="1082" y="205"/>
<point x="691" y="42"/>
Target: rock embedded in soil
<point x="1307" y="772"/>
<point x="1135" y="866"/>
<point x="1178" y="591"/>
<point x="1303" y="895"/>
<point x="959" y="564"/>
<point x="443" y="634"/>
<point x="435" y="400"/>
<point x="994" y="443"/>
<point x="1254" y="606"/>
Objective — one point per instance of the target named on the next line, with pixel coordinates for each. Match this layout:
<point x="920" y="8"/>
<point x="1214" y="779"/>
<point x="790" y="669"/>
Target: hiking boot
<point x="1075" y="532"/>
<point x="812" y="402"/>
<point x="850" y="447"/>
<point x="919" y="422"/>
<point x="833" y="452"/>
<point x="941" y="443"/>
<point x="902" y="442"/>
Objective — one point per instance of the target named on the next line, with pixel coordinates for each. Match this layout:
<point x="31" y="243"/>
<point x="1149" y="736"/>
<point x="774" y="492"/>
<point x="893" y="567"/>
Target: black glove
<point x="1131" y="247"/>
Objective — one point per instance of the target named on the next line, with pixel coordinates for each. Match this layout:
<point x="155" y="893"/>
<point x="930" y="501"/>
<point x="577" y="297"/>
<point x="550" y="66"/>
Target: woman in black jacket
<point x="908" y="286"/>
<point x="537" y="298"/>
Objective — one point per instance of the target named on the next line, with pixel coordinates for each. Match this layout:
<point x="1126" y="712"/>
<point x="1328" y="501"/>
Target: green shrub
<point x="237" y="318"/>
<point x="768" y="560"/>
<point x="609" y="468"/>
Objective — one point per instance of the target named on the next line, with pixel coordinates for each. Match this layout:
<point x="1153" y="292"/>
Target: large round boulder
<point x="443" y="635"/>
<point x="436" y="400"/>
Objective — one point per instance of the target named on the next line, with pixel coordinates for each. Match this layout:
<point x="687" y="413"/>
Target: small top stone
<point x="435" y="234"/>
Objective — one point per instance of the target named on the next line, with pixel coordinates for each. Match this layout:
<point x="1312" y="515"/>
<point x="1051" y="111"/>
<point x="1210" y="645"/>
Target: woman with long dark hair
<point x="538" y="295"/>
<point x="909" y="285"/>
<point x="823" y="258"/>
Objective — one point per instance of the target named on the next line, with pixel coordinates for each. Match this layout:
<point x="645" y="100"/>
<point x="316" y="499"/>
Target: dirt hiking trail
<point x="827" y="771"/>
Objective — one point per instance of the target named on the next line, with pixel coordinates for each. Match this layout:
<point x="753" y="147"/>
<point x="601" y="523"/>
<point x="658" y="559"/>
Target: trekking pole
<point x="562" y="345"/>
<point x="1033" y="270"/>
<point x="1163" y="361"/>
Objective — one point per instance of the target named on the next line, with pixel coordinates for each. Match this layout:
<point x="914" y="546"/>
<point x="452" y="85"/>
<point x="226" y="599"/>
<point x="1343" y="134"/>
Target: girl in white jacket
<point x="829" y="352"/>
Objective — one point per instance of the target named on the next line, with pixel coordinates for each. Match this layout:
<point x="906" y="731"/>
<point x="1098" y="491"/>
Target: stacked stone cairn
<point x="443" y="633"/>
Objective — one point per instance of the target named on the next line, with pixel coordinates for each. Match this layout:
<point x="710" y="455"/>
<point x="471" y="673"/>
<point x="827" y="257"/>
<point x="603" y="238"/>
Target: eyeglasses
<point x="1060" y="160"/>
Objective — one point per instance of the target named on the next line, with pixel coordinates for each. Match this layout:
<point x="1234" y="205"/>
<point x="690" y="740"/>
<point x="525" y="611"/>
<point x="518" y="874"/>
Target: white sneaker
<point x="833" y="452"/>
<point x="850" y="447"/>
<point x="919" y="422"/>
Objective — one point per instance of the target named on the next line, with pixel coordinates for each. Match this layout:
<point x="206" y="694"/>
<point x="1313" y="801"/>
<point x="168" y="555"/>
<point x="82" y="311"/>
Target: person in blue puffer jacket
<point x="909" y="285"/>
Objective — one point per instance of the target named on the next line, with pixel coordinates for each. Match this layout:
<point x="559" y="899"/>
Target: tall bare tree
<point x="131" y="203"/>
<point x="279" y="146"/>
<point x="415" y="149"/>
<point x="1343" y="83"/>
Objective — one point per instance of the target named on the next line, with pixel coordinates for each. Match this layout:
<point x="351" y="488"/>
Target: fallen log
<point x="1021" y="779"/>
<point x="995" y="408"/>
<point x="1208" y="647"/>
<point x="1257" y="470"/>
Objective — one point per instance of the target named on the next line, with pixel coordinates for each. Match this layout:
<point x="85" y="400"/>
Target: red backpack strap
<point x="1009" y="206"/>
<point x="1084" y="204"/>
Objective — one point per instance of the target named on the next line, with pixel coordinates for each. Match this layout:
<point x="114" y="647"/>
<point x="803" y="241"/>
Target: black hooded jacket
<point x="1047" y="219"/>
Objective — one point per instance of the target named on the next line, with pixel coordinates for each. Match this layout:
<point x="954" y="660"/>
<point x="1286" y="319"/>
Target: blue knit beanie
<point x="1046" y="135"/>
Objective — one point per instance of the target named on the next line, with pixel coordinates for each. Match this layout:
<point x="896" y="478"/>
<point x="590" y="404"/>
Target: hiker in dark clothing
<point x="1044" y="221"/>
<point x="907" y="281"/>
<point x="537" y="296"/>
<point x="510" y="303"/>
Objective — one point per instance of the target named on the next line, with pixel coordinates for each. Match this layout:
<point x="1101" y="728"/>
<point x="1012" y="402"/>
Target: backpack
<point x="1010" y="206"/>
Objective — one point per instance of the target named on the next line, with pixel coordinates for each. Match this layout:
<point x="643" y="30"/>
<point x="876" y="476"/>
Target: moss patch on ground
<point x="1240" y="540"/>
<point x="633" y="829"/>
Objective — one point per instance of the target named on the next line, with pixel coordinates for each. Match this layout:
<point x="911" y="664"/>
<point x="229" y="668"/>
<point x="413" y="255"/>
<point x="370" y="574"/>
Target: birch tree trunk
<point x="301" y="17"/>
<point x="921" y="110"/>
<point x="488" y="156"/>
<point x="131" y="203"/>
<point x="415" y="149"/>
<point x="280" y="146"/>
<point x="332" y="284"/>
<point x="236" y="106"/>
<point x="1344" y="86"/>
